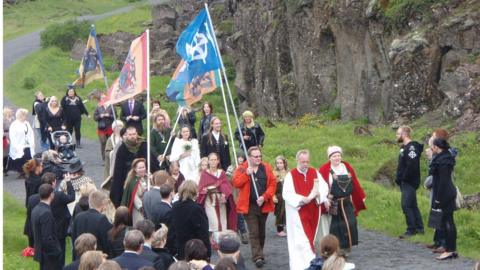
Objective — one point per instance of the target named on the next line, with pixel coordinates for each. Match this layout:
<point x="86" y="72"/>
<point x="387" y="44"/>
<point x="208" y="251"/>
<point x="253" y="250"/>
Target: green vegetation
<point x="64" y="35"/>
<point x="135" y="22"/>
<point x="29" y="16"/>
<point x="14" y="214"/>
<point x="399" y="12"/>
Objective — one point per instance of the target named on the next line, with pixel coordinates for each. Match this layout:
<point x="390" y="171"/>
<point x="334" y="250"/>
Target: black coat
<point x="164" y="259"/>
<point x="55" y="121"/>
<point x="189" y="221"/>
<point x="123" y="163"/>
<point x="189" y="120"/>
<point x="73" y="266"/>
<point x="60" y="210"/>
<point x="91" y="221"/>
<point x="47" y="245"/>
<point x="106" y="120"/>
<point x="49" y="166"/>
<point x="117" y="242"/>
<point x="209" y="145"/>
<point x="444" y="191"/>
<point x="257" y="136"/>
<point x="73" y="108"/>
<point x="205" y="125"/>
<point x="148" y="253"/>
<point x="32" y="183"/>
<point x="138" y="110"/>
<point x="408" y="170"/>
<point x="132" y="261"/>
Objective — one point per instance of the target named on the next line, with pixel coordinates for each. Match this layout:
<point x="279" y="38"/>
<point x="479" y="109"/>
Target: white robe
<point x="189" y="165"/>
<point x="19" y="139"/>
<point x="299" y="250"/>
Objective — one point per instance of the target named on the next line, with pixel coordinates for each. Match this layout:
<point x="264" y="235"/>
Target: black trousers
<point x="75" y="124"/>
<point x="48" y="263"/>
<point x="410" y="208"/>
<point x="450" y="231"/>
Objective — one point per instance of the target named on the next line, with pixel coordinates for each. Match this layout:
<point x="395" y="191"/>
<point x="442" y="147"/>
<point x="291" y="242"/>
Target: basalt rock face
<point x="297" y="57"/>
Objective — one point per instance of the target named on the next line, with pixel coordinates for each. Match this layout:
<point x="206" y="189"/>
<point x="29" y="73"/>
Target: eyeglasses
<point x="259" y="156"/>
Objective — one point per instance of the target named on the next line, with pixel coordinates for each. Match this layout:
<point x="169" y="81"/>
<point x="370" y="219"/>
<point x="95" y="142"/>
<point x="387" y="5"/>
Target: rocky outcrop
<point x="298" y="57"/>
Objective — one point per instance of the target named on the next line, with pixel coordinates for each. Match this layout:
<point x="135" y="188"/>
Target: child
<point x="242" y="230"/>
<point x="64" y="148"/>
<point x="281" y="169"/>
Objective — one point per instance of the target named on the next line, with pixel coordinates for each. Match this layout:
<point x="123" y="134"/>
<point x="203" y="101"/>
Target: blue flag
<point x="197" y="48"/>
<point x="91" y="68"/>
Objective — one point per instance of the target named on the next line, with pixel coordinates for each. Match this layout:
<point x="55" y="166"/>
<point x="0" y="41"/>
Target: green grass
<point x="14" y="214"/>
<point x="29" y="16"/>
<point x="132" y="22"/>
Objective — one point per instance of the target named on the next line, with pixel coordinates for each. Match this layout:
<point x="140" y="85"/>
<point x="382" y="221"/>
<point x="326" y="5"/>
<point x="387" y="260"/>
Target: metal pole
<point x="170" y="138"/>
<point x="230" y="94"/>
<point x="148" y="108"/>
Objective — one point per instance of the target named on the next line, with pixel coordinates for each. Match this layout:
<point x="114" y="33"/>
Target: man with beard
<point x="408" y="178"/>
<point x="132" y="147"/>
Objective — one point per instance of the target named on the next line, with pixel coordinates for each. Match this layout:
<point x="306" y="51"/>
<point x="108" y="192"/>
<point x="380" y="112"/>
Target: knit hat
<point x="441" y="143"/>
<point x="333" y="149"/>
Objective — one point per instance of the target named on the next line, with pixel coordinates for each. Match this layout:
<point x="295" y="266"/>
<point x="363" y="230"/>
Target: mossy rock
<point x="386" y="174"/>
<point x="355" y="152"/>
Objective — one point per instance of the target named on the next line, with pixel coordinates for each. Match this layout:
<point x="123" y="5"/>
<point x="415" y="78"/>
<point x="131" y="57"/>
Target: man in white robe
<point x="303" y="191"/>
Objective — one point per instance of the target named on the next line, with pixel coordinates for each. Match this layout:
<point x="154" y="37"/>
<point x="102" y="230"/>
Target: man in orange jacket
<point x="255" y="201"/>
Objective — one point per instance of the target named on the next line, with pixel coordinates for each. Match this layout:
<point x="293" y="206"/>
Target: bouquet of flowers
<point x="187" y="146"/>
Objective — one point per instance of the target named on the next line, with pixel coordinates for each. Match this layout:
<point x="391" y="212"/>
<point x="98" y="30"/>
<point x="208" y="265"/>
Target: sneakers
<point x="28" y="252"/>
<point x="282" y="234"/>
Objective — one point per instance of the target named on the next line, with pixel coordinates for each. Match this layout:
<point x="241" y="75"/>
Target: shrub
<point x="29" y="83"/>
<point x="64" y="35"/>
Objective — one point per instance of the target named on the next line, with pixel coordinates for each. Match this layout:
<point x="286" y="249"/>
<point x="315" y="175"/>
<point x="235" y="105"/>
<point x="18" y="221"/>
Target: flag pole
<point x="148" y="108"/>
<point x="228" y="118"/>
<point x="231" y="99"/>
<point x="170" y="138"/>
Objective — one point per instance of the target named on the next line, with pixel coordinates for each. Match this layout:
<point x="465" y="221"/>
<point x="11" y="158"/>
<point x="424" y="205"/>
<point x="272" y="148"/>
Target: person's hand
<point x="250" y="171"/>
<point x="327" y="204"/>
<point x="172" y="134"/>
<point x="246" y="137"/>
<point x="275" y="199"/>
<point x="260" y="200"/>
<point x="135" y="118"/>
<point x="160" y="158"/>
<point x="88" y="116"/>
<point x="306" y="200"/>
<point x="313" y="194"/>
<point x="64" y="127"/>
<point x="50" y="129"/>
<point x="168" y="157"/>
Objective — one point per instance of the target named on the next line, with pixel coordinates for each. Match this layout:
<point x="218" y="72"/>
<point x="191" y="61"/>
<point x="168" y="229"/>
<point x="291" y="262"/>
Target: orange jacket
<point x="242" y="180"/>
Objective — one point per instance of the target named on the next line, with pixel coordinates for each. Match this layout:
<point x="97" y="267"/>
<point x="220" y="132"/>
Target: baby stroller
<point x="62" y="141"/>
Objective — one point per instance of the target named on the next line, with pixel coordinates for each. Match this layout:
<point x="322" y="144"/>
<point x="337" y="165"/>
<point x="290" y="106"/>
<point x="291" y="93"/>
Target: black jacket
<point x="91" y="221"/>
<point x="444" y="192"/>
<point x="55" y="121"/>
<point x="189" y="221"/>
<point x="47" y="246"/>
<point x="117" y="242"/>
<point x="189" y="120"/>
<point x="164" y="259"/>
<point x="209" y="144"/>
<point x="32" y="183"/>
<point x="205" y="125"/>
<point x="73" y="108"/>
<point x="132" y="261"/>
<point x="106" y="121"/>
<point x="138" y="110"/>
<point x="408" y="170"/>
<point x="256" y="134"/>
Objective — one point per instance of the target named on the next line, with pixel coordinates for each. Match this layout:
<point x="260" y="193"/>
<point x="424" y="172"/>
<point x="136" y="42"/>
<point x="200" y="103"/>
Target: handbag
<point x="459" y="199"/>
<point x="435" y="218"/>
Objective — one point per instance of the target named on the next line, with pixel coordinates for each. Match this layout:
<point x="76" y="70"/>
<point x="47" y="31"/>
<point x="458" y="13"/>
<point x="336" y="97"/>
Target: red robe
<point x="358" y="195"/>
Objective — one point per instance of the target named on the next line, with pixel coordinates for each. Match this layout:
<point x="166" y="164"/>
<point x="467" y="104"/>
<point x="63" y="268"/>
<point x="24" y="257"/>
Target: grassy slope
<point x="53" y="69"/>
<point x="14" y="241"/>
<point x="32" y="15"/>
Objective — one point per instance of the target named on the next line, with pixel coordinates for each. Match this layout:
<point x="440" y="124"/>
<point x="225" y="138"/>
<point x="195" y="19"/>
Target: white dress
<point x="299" y="249"/>
<point x="188" y="165"/>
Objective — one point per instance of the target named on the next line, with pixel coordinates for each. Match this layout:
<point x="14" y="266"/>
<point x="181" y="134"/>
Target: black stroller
<point x="62" y="141"/>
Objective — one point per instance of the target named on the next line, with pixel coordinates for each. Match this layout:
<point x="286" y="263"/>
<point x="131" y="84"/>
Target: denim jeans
<point x="410" y="208"/>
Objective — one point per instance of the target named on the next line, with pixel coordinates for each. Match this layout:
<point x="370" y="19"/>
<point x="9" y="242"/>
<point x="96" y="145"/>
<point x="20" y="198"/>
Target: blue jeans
<point x="241" y="223"/>
<point x="410" y="208"/>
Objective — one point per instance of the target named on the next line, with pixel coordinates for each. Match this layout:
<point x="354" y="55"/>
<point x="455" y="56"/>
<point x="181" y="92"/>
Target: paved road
<point x="22" y="46"/>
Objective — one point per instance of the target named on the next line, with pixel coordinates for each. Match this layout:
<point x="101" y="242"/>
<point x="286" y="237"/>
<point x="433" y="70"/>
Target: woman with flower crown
<point x="186" y="151"/>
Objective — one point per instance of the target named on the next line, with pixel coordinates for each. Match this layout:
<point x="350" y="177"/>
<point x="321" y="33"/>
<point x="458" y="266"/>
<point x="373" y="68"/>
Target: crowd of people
<point x="193" y="199"/>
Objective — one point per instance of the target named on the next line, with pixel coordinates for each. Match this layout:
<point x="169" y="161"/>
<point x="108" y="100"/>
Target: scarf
<point x="133" y="147"/>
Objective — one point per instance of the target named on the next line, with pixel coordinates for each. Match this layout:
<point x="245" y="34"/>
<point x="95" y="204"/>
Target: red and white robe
<point x="302" y="219"/>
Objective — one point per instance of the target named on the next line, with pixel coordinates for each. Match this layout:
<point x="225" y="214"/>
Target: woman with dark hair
<point x="73" y="108"/>
<point x="216" y="142"/>
<point x="33" y="177"/>
<point x="196" y="254"/>
<point x="117" y="232"/>
<point x="185" y="150"/>
<point x="444" y="194"/>
<point x="135" y="186"/>
<point x="104" y="116"/>
<point x="187" y="118"/>
<point x="53" y="118"/>
<point x="207" y="114"/>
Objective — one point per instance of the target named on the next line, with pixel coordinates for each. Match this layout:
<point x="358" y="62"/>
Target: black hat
<point x="228" y="245"/>
<point x="70" y="86"/>
<point x="74" y="166"/>
<point x="441" y="143"/>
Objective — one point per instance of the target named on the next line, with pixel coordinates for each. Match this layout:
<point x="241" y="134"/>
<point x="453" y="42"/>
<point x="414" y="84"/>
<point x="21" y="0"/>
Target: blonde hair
<point x="87" y="189"/>
<point x="91" y="260"/>
<point x="407" y="130"/>
<point x="203" y="160"/>
<point x="160" y="236"/>
<point x="188" y="190"/>
<point x="334" y="262"/>
<point x="21" y="113"/>
<point x="97" y="199"/>
<point x="7" y="112"/>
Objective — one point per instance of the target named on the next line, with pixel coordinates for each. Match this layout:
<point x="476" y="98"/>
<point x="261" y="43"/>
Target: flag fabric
<point x="186" y="92"/>
<point x="197" y="72"/>
<point x="133" y="76"/>
<point x="91" y="68"/>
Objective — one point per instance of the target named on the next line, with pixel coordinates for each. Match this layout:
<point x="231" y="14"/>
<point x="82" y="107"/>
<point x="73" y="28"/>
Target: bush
<point x="65" y="34"/>
<point x="29" y="83"/>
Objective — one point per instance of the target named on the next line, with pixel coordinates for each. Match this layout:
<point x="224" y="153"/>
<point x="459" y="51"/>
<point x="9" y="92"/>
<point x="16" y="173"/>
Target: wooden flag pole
<point x="148" y="110"/>
<point x="228" y="118"/>
<point x="231" y="100"/>
<point x="170" y="138"/>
